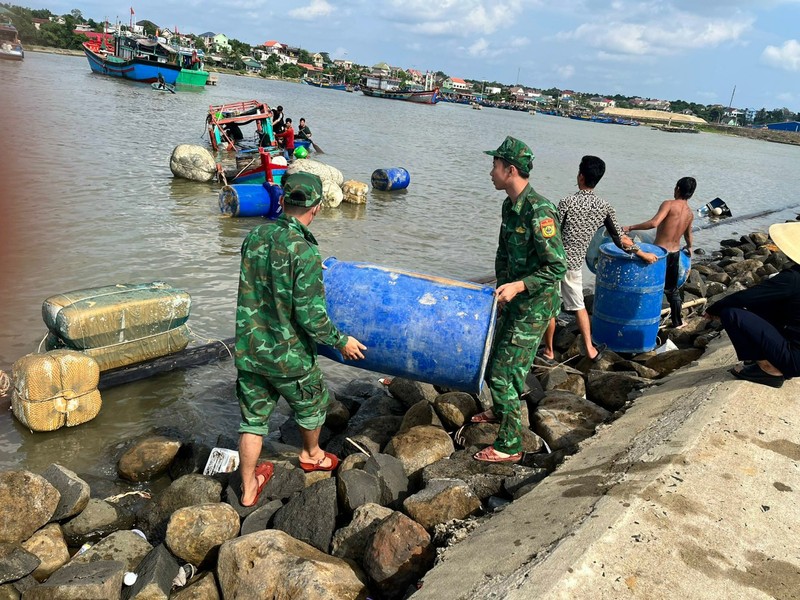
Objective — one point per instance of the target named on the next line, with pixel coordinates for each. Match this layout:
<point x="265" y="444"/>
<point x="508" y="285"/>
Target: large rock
<point x="667" y="362"/>
<point x="564" y="419"/>
<point x="611" y="390"/>
<point x="192" y="162"/>
<point x="190" y="458"/>
<point x="561" y="378"/>
<point x="147" y="458"/>
<point x="455" y="409"/>
<point x="392" y="478"/>
<point x="484" y="434"/>
<point x="442" y="500"/>
<point x="485" y="479"/>
<point x="195" y="533"/>
<point x="272" y="564"/>
<point x="154" y="576"/>
<point x="419" y="447"/>
<point x="260" y="518"/>
<point x="311" y="515"/>
<point x="101" y="580"/>
<point x="410" y="392"/>
<point x="187" y="490"/>
<point x="356" y="487"/>
<point x="27" y="502"/>
<point x="95" y="522"/>
<point x="421" y="413"/>
<point x="397" y="555"/>
<point x="16" y="562"/>
<point x="74" y="491"/>
<point x="49" y="547"/>
<point x="202" y="588"/>
<point x="126" y="547"/>
<point x="350" y="542"/>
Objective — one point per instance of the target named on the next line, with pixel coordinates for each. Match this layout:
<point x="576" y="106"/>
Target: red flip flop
<point x="489" y="454"/>
<point x="265" y="469"/>
<point x="483" y="417"/>
<point x="317" y="466"/>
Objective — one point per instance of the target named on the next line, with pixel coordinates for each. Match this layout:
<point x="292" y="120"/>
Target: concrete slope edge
<point x="581" y="499"/>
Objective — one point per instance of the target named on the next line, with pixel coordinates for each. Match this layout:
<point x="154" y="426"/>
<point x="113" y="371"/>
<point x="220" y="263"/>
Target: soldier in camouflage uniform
<point x="529" y="265"/>
<point x="280" y="319"/>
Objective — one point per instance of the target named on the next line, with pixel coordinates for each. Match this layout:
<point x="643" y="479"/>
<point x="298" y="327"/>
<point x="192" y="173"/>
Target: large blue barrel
<point x="394" y="178"/>
<point x="243" y="200"/>
<point x="425" y="328"/>
<point x="627" y="299"/>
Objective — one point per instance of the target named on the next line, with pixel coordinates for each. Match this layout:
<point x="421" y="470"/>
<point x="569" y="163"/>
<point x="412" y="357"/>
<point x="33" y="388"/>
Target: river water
<point x="89" y="200"/>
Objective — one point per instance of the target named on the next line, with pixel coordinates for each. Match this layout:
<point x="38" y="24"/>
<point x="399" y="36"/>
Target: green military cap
<point x="515" y="153"/>
<point x="302" y="189"/>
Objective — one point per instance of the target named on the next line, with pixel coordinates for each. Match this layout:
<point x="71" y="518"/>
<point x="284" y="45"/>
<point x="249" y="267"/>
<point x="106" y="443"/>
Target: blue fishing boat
<point x="327" y="84"/>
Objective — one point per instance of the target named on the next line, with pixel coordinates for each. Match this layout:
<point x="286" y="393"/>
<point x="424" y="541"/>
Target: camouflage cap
<point x="302" y="189"/>
<point x="515" y="153"/>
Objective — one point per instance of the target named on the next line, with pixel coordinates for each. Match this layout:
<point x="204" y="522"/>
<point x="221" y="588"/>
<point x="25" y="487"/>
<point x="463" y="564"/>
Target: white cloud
<point x="565" y="71"/>
<point x="479" y="48"/>
<point x="317" y="8"/>
<point x="458" y="17"/>
<point x="786" y="57"/>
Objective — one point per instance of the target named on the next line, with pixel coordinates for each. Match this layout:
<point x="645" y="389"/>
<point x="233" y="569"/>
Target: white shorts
<point x="572" y="291"/>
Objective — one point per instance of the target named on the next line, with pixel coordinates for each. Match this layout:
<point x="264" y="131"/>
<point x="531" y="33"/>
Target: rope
<point x="5" y="383"/>
<point x="202" y="338"/>
<point x="39" y="349"/>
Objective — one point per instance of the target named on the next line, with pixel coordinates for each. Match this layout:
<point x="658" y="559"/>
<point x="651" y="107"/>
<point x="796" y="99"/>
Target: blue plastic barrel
<point x="422" y="327"/>
<point x="394" y="178"/>
<point x="243" y="200"/>
<point x="627" y="299"/>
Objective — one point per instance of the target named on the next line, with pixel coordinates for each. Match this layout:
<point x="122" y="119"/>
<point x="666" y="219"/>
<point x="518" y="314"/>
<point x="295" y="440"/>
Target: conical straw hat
<point x="787" y="238"/>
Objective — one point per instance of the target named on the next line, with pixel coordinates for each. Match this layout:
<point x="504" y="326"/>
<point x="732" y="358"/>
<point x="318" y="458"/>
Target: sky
<point x="693" y="50"/>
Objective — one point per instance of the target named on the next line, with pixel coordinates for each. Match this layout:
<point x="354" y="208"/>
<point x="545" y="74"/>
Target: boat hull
<point x="143" y="71"/>
<point x="426" y="97"/>
<point x="12" y="55"/>
<point x="341" y="87"/>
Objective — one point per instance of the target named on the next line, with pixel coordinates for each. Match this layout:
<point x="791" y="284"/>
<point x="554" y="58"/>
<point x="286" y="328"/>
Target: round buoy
<point x="394" y="178"/>
<point x="300" y="152"/>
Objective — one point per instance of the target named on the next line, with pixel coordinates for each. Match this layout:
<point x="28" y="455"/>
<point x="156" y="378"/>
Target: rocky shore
<point x="406" y="491"/>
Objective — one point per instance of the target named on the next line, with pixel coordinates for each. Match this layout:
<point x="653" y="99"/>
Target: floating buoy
<point x="393" y="178"/>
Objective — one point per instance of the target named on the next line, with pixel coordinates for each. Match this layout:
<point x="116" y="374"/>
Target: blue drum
<point x="243" y="200"/>
<point x="395" y="178"/>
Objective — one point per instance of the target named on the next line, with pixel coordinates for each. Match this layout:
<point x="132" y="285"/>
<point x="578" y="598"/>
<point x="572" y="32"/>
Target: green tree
<point x="291" y="71"/>
<point x="76" y="14"/>
<point x="304" y="57"/>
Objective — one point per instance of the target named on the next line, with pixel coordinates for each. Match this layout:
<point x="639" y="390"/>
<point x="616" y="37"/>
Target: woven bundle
<point x="55" y="389"/>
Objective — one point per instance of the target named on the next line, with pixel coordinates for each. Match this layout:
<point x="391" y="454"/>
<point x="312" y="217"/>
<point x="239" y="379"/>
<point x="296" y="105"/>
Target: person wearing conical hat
<point x="529" y="264"/>
<point x="763" y="322"/>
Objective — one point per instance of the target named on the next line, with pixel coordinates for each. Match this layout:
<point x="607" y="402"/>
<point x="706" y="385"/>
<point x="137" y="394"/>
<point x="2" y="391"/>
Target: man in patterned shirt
<point x="581" y="214"/>
<point x="280" y="319"/>
<point x="529" y="265"/>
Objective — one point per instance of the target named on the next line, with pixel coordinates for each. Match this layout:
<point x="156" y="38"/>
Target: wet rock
<point x="96" y="521"/>
<point x="195" y="533"/>
<point x="147" y="459"/>
<point x="742" y="267"/>
<point x="192" y="162"/>
<point x="484" y="434"/>
<point x="714" y="288"/>
<point x="421" y="413"/>
<point x="311" y="515"/>
<point x="667" y="362"/>
<point x="759" y="238"/>
<point x="392" y="479"/>
<point x="153" y="576"/>
<point x="187" y="490"/>
<point x="610" y="390"/>
<point x="706" y="269"/>
<point x="440" y="501"/>
<point x="353" y="461"/>
<point x="49" y="547"/>
<point x="261" y="518"/>
<point x="564" y="419"/>
<point x="560" y="378"/>
<point x="695" y="284"/>
<point x="398" y="554"/>
<point x="639" y="369"/>
<point x="27" y="502"/>
<point x="126" y="547"/>
<point x="74" y="491"/>
<point x="337" y="416"/>
<point x="410" y="392"/>
<point x="16" y="562"/>
<point x="733" y="252"/>
<point x="101" y="580"/>
<point x="722" y="278"/>
<point x="419" y="447"/>
<point x="455" y="409"/>
<point x="356" y="487"/>
<point x="350" y="542"/>
<point x="202" y="588"/>
<point x="271" y="564"/>
<point x="485" y="479"/>
<point x="190" y="458"/>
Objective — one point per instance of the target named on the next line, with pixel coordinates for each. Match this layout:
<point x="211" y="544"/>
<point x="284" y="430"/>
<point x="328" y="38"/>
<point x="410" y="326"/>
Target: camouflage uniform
<point x="529" y="250"/>
<point x="281" y="317"/>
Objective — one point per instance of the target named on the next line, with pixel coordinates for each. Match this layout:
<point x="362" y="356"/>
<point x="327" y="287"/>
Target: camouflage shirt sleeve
<point x="547" y="245"/>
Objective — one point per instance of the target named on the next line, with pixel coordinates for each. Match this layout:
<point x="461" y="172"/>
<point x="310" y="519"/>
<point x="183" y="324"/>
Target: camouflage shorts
<point x="307" y="396"/>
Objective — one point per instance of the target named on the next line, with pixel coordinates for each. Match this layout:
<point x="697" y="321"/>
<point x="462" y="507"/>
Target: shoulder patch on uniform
<point x="520" y="230"/>
<point x="548" y="227"/>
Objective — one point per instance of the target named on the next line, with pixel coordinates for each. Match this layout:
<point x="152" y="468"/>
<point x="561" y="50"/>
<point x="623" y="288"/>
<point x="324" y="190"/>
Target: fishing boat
<point x="143" y="59"/>
<point x="377" y="86"/>
<point x="325" y="83"/>
<point x="10" y="46"/>
<point x="224" y="121"/>
<point x="163" y="87"/>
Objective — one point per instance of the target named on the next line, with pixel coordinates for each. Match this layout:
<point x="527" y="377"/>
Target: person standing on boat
<point x="286" y="139"/>
<point x="673" y="221"/>
<point x="529" y="265"/>
<point x="280" y="318"/>
<point x="277" y="120"/>
<point x="303" y="132"/>
<point x="580" y="215"/>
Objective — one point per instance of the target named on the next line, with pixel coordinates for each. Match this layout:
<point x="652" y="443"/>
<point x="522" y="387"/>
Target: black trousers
<point x="671" y="289"/>
<point x="755" y="338"/>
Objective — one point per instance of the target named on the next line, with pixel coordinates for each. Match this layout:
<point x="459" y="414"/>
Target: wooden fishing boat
<point x="423" y="97"/>
<point x="325" y="83"/>
<point x="144" y="59"/>
<point x="10" y="46"/>
<point x="158" y="87"/>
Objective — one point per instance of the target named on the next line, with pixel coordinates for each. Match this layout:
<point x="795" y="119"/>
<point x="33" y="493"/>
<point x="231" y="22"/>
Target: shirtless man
<point x="673" y="220"/>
